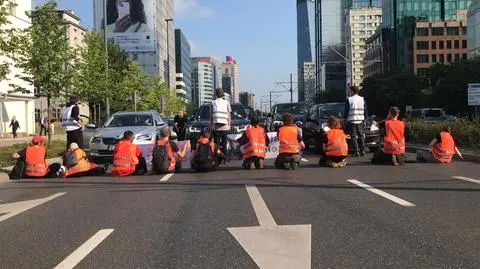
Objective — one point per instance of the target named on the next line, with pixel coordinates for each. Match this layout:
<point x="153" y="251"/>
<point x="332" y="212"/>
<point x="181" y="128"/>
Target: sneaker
<point x="261" y="164"/>
<point x="362" y="153"/>
<point x="61" y="171"/>
<point x="356" y="155"/>
<point x="394" y="160"/>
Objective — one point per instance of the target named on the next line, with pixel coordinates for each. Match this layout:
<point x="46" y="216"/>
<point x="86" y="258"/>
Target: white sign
<point x="235" y="151"/>
<point x="474" y="94"/>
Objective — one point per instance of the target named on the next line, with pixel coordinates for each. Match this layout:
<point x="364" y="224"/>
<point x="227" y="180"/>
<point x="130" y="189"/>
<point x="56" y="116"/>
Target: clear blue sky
<point x="259" y="34"/>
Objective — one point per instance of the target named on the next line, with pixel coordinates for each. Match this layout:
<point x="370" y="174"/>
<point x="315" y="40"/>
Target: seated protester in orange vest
<point x="166" y="155"/>
<point x="35" y="158"/>
<point x="442" y="149"/>
<point x="393" y="151"/>
<point x="256" y="141"/>
<point x="335" y="147"/>
<point x="290" y="137"/>
<point x="76" y="164"/>
<point x="205" y="154"/>
<point x="127" y="158"/>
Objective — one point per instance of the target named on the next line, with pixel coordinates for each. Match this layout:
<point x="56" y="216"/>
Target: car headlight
<point x="192" y="129"/>
<point x="144" y="137"/>
<point x="242" y="128"/>
<point x="96" y="140"/>
<point x="277" y="122"/>
<point x="374" y="126"/>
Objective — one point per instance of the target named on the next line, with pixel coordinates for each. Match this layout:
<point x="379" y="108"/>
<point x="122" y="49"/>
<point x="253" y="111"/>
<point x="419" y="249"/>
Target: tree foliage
<point x="154" y="92"/>
<point x="6" y="35"/>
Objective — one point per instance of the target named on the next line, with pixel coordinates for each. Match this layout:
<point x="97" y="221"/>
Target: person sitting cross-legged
<point x="335" y="147"/>
<point x="127" y="158"/>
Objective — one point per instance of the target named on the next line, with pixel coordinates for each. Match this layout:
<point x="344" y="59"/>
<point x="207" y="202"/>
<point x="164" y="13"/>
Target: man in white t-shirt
<point x="220" y="120"/>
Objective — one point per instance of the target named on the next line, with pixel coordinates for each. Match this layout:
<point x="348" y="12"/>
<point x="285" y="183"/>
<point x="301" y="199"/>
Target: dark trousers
<point x="141" y="167"/>
<point x="75" y="136"/>
<point x="14" y="132"/>
<point x="43" y="129"/>
<point x="357" y="134"/>
<point x="287" y="161"/>
<point x="220" y="139"/>
<point x="253" y="160"/>
<point x="52" y="171"/>
<point x="181" y="133"/>
<point x="383" y="158"/>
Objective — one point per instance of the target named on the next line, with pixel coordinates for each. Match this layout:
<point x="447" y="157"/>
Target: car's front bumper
<point x="104" y="152"/>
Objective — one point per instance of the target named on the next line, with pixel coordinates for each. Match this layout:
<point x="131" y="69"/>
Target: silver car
<point x="145" y="125"/>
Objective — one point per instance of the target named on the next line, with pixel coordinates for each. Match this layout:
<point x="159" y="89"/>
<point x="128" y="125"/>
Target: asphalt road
<point x="416" y="216"/>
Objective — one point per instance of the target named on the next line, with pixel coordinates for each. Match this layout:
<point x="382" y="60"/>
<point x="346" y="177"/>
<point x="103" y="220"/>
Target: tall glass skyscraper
<point x="363" y="3"/>
<point x="305" y="40"/>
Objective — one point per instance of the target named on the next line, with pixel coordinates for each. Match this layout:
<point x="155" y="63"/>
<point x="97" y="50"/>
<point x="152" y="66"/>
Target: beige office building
<point x="230" y="69"/>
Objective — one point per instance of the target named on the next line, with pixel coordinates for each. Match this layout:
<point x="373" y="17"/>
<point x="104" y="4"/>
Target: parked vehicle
<point x="298" y="110"/>
<point x="145" y="125"/>
<point x="429" y="115"/>
<point x="316" y="121"/>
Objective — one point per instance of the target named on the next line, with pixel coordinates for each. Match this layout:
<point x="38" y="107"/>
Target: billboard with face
<point x="130" y="23"/>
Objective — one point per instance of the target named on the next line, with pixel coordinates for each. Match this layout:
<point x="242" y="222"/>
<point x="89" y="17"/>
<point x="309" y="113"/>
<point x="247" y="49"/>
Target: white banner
<point x="185" y="147"/>
<point x="235" y="151"/>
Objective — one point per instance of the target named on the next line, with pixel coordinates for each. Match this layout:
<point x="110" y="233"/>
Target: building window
<point x="441" y="44"/>
<point x="449" y="44"/>
<point x="456" y="44"/>
<point x="422" y="31"/>
<point x="464" y="30"/>
<point x="464" y="56"/>
<point x="422" y="45"/>
<point x="434" y="58"/>
<point x="437" y="31"/>
<point x="442" y="58"/>
<point x="452" y="31"/>
<point x="464" y="44"/>
<point x="434" y="45"/>
<point x="422" y="71"/>
<point x="422" y="58"/>
<point x="457" y="56"/>
<point x="449" y="58"/>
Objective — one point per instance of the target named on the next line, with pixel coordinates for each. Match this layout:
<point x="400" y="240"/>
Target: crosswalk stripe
<point x="386" y="195"/>
<point x="166" y="177"/>
<point x="80" y="253"/>
<point x="468" y="179"/>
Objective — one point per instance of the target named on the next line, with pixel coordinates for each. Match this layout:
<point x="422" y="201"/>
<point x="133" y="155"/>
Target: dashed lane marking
<point x="468" y="179"/>
<point x="386" y="195"/>
<point x="166" y="177"/>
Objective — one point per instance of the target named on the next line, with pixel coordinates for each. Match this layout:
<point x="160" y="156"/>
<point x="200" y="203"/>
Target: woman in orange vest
<point x="442" y="149"/>
<point x="174" y="154"/>
<point x="393" y="151"/>
<point x="127" y="158"/>
<point x="34" y="156"/>
<point x="290" y="138"/>
<point x="82" y="166"/>
<point x="335" y="147"/>
<point x="256" y="141"/>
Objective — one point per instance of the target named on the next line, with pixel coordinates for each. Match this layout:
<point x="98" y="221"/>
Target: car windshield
<point x="336" y="110"/>
<point x="238" y="112"/>
<point x="124" y="120"/>
<point x="291" y="108"/>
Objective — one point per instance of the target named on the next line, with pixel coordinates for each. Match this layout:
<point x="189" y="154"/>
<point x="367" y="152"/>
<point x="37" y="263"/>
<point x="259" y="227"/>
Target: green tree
<point x="43" y="52"/>
<point x="151" y="98"/>
<point x="6" y="35"/>
<point x="132" y="87"/>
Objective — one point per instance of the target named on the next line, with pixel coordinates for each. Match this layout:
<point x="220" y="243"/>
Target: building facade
<point x="247" y="99"/>
<point x="307" y="74"/>
<point x="183" y="66"/>
<point x="361" y="24"/>
<point x="474" y="29"/>
<point x="374" y="61"/>
<point x="18" y="105"/>
<point x="305" y="41"/>
<point x="206" y="77"/>
<point x="354" y="4"/>
<point x="229" y="68"/>
<point x="439" y="42"/>
<point x="152" y="43"/>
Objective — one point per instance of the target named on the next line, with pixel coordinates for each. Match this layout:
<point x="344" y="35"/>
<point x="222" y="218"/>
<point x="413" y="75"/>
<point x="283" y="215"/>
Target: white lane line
<point x="13" y="209"/>
<point x="468" y="179"/>
<point x="305" y="160"/>
<point x="80" y="253"/>
<point x="264" y="216"/>
<point x="390" y="197"/>
<point x="166" y="177"/>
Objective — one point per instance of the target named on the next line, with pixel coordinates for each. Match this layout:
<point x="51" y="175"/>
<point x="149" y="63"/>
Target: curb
<point x="469" y="157"/>
<point x="4" y="177"/>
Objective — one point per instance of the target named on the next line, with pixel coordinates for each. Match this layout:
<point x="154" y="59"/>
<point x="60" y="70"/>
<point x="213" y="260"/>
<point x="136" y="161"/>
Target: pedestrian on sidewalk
<point x="393" y="151"/>
<point x="43" y="125"/>
<point x="356" y="113"/>
<point x="442" y="149"/>
<point x="72" y="123"/>
<point x="15" y="126"/>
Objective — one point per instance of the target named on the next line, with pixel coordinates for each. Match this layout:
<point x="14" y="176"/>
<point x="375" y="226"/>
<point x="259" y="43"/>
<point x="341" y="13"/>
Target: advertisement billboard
<point x="130" y="23"/>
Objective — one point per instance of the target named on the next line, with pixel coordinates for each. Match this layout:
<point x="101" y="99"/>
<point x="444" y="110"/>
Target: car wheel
<point x="373" y="149"/>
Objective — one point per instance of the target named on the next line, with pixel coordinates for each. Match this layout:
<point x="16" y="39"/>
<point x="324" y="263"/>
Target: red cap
<point x="38" y="139"/>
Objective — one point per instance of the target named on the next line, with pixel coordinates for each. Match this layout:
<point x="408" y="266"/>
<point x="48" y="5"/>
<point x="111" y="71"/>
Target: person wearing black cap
<point x="72" y="123"/>
<point x="220" y="121"/>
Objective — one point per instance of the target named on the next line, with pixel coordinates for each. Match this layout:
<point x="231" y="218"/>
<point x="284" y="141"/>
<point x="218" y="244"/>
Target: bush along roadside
<point x="57" y="148"/>
<point x="466" y="133"/>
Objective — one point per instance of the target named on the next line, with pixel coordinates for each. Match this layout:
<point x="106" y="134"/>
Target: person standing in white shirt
<point x="355" y="114"/>
<point x="43" y="125"/>
<point x="72" y="123"/>
<point x="220" y="120"/>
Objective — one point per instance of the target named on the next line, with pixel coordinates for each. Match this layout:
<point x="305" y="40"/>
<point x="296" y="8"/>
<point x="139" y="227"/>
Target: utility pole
<point x="291" y="88"/>
<point x="168" y="51"/>
<point x="107" y="100"/>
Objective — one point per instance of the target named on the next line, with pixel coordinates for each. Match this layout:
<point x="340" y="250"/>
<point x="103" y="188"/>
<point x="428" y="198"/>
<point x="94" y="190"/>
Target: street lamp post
<point x="168" y="51"/>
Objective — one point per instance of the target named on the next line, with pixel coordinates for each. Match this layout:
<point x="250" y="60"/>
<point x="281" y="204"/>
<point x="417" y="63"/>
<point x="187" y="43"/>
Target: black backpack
<point x="160" y="160"/>
<point x="70" y="159"/>
<point x="204" y="159"/>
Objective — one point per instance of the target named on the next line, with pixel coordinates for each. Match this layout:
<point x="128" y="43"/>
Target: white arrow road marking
<point x="272" y="246"/>
<point x="80" y="253"/>
<point x="166" y="177"/>
<point x="12" y="209"/>
<point x="390" y="197"/>
<point x="468" y="179"/>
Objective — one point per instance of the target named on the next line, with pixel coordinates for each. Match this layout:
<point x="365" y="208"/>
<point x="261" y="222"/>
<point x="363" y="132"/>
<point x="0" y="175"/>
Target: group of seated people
<point x="167" y="156"/>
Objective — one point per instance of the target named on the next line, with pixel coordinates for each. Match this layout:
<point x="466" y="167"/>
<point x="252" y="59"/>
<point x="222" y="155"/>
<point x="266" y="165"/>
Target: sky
<point x="259" y="34"/>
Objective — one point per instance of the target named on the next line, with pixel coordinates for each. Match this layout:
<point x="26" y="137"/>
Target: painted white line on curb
<point x="80" y="253"/>
<point x="166" y="177"/>
<point x="388" y="196"/>
<point x="468" y="179"/>
<point x="264" y="216"/>
<point x="305" y="160"/>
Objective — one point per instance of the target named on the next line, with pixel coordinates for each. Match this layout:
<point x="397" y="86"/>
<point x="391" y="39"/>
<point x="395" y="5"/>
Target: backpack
<point x="70" y="159"/>
<point x="204" y="159"/>
<point x="160" y="161"/>
<point x="17" y="171"/>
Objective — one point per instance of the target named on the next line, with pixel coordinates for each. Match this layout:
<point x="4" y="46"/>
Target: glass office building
<point x="399" y="18"/>
<point x="305" y="40"/>
<point x="363" y="3"/>
<point x="183" y="66"/>
<point x="474" y="29"/>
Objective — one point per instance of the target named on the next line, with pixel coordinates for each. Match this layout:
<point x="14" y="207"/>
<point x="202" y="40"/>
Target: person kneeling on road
<point x="127" y="158"/>
<point x="33" y="160"/>
<point x="166" y="155"/>
<point x="290" y="137"/>
<point x="256" y="141"/>
<point x="76" y="164"/>
<point x="442" y="149"/>
<point x="205" y="154"/>
<point x="335" y="147"/>
<point x="394" y="143"/>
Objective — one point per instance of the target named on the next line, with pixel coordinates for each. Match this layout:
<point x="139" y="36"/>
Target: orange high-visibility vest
<point x="83" y="164"/>
<point x="256" y="146"/>
<point x="444" y="151"/>
<point x="337" y="143"/>
<point x="288" y="137"/>
<point x="394" y="137"/>
<point x="35" y="163"/>
<point x="124" y="159"/>
<point x="171" y="157"/>
<point x="205" y="141"/>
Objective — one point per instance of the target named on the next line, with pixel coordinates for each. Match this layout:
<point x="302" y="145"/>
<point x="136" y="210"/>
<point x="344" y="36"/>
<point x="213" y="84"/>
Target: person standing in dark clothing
<point x="72" y="123"/>
<point x="180" y="122"/>
<point x="43" y="125"/>
<point x="15" y="126"/>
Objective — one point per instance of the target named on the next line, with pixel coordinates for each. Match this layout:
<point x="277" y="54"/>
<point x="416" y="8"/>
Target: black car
<point x="298" y="110"/>
<point x="201" y="121"/>
<point x="317" y="118"/>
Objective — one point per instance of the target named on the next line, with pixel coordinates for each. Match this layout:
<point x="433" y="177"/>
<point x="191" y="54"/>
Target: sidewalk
<point x="5" y="142"/>
<point x="469" y="156"/>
